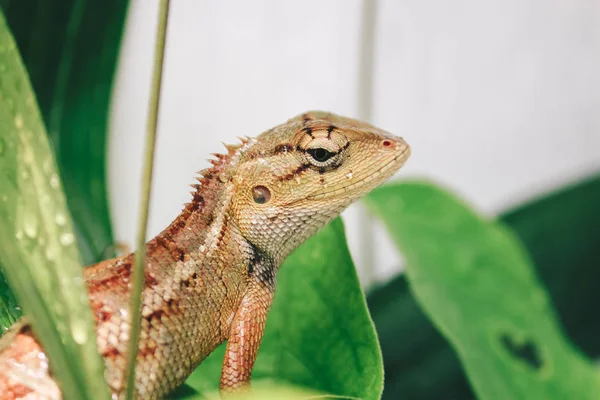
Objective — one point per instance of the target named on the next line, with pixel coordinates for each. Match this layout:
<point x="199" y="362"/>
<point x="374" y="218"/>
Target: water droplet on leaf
<point x="30" y="225"/>
<point x="60" y="219"/>
<point x="54" y="181"/>
<point x="67" y="239"/>
<point x="79" y="332"/>
<point x="45" y="199"/>
<point x="47" y="165"/>
<point x="19" y="121"/>
<point x="50" y="253"/>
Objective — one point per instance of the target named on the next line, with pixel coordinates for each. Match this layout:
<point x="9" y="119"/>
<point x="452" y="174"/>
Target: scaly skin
<point x="210" y="275"/>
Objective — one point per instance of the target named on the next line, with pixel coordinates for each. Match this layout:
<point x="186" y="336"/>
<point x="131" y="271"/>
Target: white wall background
<point x="500" y="99"/>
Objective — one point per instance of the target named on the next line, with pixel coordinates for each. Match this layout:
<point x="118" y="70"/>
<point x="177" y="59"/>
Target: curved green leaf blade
<point x="10" y="311"/>
<point x="476" y="283"/>
<point x="70" y="50"/>
<point x="560" y="231"/>
<point x="37" y="245"/>
<point x="264" y="391"/>
<point x="419" y="363"/>
<point x="319" y="333"/>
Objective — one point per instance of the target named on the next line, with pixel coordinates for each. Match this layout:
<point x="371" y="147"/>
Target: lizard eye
<point x="320" y="154"/>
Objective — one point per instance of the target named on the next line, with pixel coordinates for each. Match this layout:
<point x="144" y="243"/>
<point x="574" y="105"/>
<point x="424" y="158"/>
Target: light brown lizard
<point x="210" y="275"/>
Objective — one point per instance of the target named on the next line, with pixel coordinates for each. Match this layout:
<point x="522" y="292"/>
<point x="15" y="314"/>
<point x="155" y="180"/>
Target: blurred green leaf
<point x="419" y="363"/>
<point x="70" y="49"/>
<point x="37" y="244"/>
<point x="260" y="391"/>
<point x="319" y="333"/>
<point x="475" y="281"/>
<point x="10" y="311"/>
<point x="560" y="232"/>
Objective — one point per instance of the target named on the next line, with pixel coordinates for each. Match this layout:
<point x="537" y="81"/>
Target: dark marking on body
<point x="309" y="132"/>
<point x="283" y="148"/>
<point x="261" y="266"/>
<point x="170" y="307"/>
<point x="254" y="259"/>
<point x="18" y="391"/>
<point x="150" y="279"/>
<point x="111" y="352"/>
<point x="178" y="225"/>
<point x="190" y="281"/>
<point x="197" y="201"/>
<point x="222" y="231"/>
<point x="146" y="351"/>
<point x="165" y="241"/>
<point x="295" y="172"/>
<point x="172" y="304"/>
<point x="330" y="129"/>
<point x="208" y="174"/>
<point x="103" y="315"/>
<point x="156" y="314"/>
<point x="118" y="274"/>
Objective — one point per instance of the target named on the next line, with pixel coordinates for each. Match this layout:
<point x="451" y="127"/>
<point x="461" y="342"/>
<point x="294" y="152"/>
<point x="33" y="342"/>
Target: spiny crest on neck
<point x="210" y="180"/>
<point x="206" y="193"/>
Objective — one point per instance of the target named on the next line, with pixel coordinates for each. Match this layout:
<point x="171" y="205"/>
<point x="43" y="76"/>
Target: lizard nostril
<point x="387" y="143"/>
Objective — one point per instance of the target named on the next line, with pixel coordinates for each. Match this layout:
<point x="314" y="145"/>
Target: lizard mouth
<point x="379" y="176"/>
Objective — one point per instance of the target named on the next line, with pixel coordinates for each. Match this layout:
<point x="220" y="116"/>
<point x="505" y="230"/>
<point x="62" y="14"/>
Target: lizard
<point x="210" y="275"/>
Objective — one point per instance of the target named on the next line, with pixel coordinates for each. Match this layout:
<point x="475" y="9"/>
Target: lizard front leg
<point x="245" y="335"/>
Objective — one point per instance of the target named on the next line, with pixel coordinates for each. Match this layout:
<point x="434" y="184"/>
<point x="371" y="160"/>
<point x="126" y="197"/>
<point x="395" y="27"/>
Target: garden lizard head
<point x="293" y="179"/>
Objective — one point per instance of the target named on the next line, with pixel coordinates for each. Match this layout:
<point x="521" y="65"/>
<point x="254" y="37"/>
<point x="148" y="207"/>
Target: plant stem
<point x="366" y="260"/>
<point x="139" y="266"/>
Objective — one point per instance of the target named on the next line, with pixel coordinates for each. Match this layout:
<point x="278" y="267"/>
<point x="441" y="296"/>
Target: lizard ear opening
<point x="261" y="194"/>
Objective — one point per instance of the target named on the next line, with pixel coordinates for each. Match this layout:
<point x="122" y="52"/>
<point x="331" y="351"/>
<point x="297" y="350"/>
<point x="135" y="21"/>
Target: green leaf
<point x="476" y="283"/>
<point x="10" y="311"/>
<point x="37" y="244"/>
<point x="560" y="232"/>
<point x="70" y="50"/>
<point x="264" y="391"/>
<point x="319" y="333"/>
<point x="419" y="363"/>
